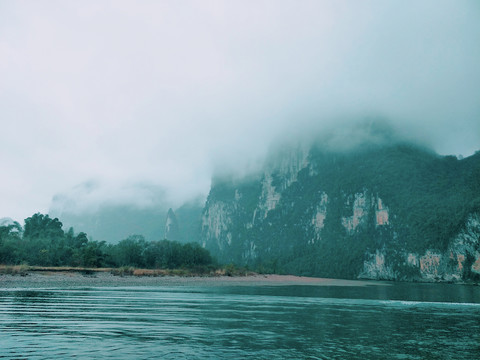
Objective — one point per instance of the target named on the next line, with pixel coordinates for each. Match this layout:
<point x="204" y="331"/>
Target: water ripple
<point x="172" y="323"/>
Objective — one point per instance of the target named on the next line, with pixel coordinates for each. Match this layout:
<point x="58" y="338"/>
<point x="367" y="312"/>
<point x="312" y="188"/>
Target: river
<point x="389" y="321"/>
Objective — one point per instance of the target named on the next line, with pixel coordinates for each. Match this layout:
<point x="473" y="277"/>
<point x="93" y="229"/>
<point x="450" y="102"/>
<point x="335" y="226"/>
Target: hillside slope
<point x="379" y="211"/>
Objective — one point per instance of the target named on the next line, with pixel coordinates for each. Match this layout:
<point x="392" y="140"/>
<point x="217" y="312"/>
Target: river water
<point x="391" y="321"/>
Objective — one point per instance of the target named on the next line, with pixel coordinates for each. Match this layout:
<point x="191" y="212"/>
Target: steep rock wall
<point x="369" y="215"/>
<point x="458" y="262"/>
<point x="216" y="220"/>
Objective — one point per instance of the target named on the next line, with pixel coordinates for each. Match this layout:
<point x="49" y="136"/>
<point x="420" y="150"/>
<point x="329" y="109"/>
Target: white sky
<point x="125" y="93"/>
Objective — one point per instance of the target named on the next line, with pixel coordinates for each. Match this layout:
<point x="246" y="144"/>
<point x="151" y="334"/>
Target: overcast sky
<point x="130" y="93"/>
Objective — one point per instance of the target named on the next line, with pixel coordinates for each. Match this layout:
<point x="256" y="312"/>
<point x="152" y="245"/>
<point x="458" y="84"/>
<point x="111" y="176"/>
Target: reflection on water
<point x="402" y="321"/>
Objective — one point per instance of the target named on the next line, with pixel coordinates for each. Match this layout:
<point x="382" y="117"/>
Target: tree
<point x="10" y="238"/>
<point x="42" y="226"/>
<point x="130" y="251"/>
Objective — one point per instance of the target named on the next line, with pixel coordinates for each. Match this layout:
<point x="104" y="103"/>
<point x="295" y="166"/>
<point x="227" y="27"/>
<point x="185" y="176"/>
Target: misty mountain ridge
<point x="91" y="195"/>
<point x="359" y="201"/>
<point x="380" y="207"/>
<point x="113" y="214"/>
<point x="342" y="137"/>
<point x="138" y="210"/>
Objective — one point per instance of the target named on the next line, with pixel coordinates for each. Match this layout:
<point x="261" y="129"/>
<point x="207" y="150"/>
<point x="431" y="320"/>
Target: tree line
<point x="43" y="242"/>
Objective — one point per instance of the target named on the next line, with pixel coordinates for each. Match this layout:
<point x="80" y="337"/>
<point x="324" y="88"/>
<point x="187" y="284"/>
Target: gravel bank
<point x="73" y="279"/>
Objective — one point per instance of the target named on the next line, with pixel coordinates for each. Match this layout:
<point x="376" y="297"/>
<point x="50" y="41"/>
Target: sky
<point x="104" y="100"/>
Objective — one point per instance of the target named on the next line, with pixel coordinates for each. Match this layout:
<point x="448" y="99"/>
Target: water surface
<point x="395" y="321"/>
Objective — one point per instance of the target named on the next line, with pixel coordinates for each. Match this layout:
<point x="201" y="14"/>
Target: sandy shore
<point x="73" y="279"/>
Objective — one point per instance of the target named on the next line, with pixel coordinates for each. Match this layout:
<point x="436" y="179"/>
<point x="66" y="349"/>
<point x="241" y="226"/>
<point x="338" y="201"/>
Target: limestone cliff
<point x="381" y="212"/>
<point x="281" y="172"/>
<point x="460" y="261"/>
<point x="215" y="225"/>
<point x="172" y="231"/>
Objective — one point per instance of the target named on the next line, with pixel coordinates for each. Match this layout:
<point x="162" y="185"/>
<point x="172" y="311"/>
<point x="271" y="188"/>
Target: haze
<point x="132" y="95"/>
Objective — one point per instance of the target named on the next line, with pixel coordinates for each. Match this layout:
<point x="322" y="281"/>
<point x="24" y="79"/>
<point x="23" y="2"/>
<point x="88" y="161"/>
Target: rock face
<point x="459" y="261"/>
<point x="379" y="212"/>
<point x="216" y="222"/>
<point x="375" y="267"/>
<point x="172" y="231"/>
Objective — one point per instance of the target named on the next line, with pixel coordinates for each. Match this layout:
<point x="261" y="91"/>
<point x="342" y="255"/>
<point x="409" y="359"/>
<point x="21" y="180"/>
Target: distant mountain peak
<point x="172" y="231"/>
<point x="386" y="210"/>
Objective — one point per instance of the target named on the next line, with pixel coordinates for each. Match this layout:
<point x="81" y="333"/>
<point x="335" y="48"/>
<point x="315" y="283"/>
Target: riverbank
<point x="69" y="279"/>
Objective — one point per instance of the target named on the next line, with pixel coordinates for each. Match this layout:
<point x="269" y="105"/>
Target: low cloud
<point x="162" y="93"/>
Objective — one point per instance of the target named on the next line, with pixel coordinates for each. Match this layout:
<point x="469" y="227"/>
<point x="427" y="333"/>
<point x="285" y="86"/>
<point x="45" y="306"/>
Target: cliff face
<point x="460" y="261"/>
<point x="379" y="212"/>
<point x="172" y="231"/>
<point x="183" y="224"/>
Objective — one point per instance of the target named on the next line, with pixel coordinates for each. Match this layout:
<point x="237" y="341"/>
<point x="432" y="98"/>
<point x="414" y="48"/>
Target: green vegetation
<point x="429" y="198"/>
<point x="43" y="242"/>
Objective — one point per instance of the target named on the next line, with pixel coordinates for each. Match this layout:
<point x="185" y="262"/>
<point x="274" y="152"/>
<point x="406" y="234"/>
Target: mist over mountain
<point x="366" y="202"/>
<point x="164" y="93"/>
<point x="115" y="112"/>
<point x="139" y="209"/>
<point x="113" y="214"/>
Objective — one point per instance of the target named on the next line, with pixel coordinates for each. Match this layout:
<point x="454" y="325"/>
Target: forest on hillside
<point x="429" y="198"/>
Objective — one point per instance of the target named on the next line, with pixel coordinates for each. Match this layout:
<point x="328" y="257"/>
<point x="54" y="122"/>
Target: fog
<point x="132" y="96"/>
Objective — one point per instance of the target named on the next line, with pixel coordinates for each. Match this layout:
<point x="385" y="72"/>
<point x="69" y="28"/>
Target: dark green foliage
<point x="10" y="239"/>
<point x="129" y="252"/>
<point x="42" y="226"/>
<point x="44" y="243"/>
<point x="163" y="254"/>
<point x="429" y="198"/>
<point x="467" y="266"/>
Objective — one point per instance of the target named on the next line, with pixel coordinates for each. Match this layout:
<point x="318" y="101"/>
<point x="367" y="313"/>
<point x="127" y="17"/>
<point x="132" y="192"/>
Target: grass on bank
<point x="227" y="270"/>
